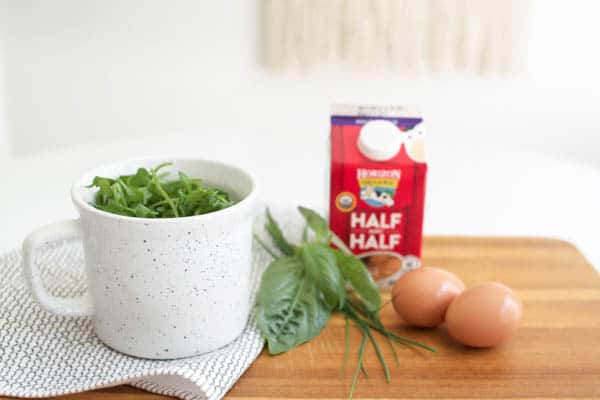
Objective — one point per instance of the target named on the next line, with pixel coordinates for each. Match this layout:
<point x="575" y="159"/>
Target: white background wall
<point x="92" y="70"/>
<point x="90" y="81"/>
<point x="80" y="71"/>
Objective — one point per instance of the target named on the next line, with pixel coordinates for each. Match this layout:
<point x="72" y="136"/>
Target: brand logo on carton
<point x="363" y="173"/>
<point x="378" y="186"/>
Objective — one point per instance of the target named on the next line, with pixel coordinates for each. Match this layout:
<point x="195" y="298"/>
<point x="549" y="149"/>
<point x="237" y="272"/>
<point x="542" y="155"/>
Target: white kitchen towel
<point x="45" y="355"/>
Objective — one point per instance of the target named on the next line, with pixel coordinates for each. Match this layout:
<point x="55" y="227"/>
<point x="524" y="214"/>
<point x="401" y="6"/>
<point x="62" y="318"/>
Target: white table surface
<point x="471" y="190"/>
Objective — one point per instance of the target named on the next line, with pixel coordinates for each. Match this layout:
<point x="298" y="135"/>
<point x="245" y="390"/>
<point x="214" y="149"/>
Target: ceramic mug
<point x="158" y="288"/>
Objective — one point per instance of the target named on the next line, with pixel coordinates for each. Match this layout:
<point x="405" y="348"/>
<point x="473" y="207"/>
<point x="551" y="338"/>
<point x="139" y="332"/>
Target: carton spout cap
<point x="379" y="140"/>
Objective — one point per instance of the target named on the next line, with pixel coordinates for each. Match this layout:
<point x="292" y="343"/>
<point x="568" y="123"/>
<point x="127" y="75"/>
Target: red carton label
<point x="377" y="188"/>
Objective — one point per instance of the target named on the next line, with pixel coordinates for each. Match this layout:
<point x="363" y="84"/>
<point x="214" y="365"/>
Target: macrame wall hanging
<point x="403" y="37"/>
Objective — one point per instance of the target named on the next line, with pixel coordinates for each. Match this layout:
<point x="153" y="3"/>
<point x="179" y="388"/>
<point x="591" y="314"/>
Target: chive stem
<point x="379" y="328"/>
<point x="346" y="341"/>
<point x="386" y="371"/>
<point x="361" y="354"/>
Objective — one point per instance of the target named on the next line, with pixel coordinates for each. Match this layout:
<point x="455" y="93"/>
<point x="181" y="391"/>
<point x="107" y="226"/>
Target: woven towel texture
<point x="45" y="355"/>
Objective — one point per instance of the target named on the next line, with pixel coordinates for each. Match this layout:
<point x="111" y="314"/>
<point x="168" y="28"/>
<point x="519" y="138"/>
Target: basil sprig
<point x="307" y="282"/>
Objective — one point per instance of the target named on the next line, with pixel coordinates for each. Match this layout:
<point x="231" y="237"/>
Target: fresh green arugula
<point x="148" y="194"/>
<point x="308" y="282"/>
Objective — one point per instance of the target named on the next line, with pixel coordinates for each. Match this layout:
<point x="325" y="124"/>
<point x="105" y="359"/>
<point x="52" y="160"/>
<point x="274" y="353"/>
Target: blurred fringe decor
<point x="403" y="37"/>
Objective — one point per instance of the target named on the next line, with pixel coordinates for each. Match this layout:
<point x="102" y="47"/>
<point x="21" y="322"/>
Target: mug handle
<point x="63" y="230"/>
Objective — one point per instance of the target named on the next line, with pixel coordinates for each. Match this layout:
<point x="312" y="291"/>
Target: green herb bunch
<point x="148" y="194"/>
<point x="306" y="283"/>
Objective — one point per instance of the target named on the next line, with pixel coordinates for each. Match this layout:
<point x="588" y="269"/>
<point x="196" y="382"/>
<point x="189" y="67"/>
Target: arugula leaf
<point x="104" y="191"/>
<point x="118" y="194"/>
<point x="142" y="211"/>
<point x="289" y="310"/>
<point x="157" y="184"/>
<point x="320" y="265"/>
<point x="277" y="235"/>
<point x="354" y="271"/>
<point x="132" y="194"/>
<point x="140" y="179"/>
<point x="146" y="194"/>
<point x="316" y="223"/>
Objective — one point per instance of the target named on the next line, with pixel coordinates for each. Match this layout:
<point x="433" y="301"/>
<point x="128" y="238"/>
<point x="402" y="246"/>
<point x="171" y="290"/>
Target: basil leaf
<point x="289" y="310"/>
<point x="277" y="235"/>
<point x="317" y="224"/>
<point x="320" y="264"/>
<point x="354" y="271"/>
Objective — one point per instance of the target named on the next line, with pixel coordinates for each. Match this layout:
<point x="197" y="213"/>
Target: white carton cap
<point x="379" y="140"/>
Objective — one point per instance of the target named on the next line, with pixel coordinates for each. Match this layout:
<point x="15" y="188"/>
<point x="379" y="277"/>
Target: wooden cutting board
<point x="554" y="355"/>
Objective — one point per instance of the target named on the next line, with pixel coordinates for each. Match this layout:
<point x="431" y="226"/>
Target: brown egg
<point x="483" y="315"/>
<point x="422" y="296"/>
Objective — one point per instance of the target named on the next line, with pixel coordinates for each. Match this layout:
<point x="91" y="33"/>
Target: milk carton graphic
<point x="377" y="186"/>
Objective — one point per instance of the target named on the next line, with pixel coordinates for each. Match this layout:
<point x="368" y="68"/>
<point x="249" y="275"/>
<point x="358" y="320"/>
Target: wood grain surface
<point x="554" y="355"/>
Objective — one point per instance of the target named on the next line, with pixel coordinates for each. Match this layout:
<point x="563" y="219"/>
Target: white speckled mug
<point x="158" y="288"/>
